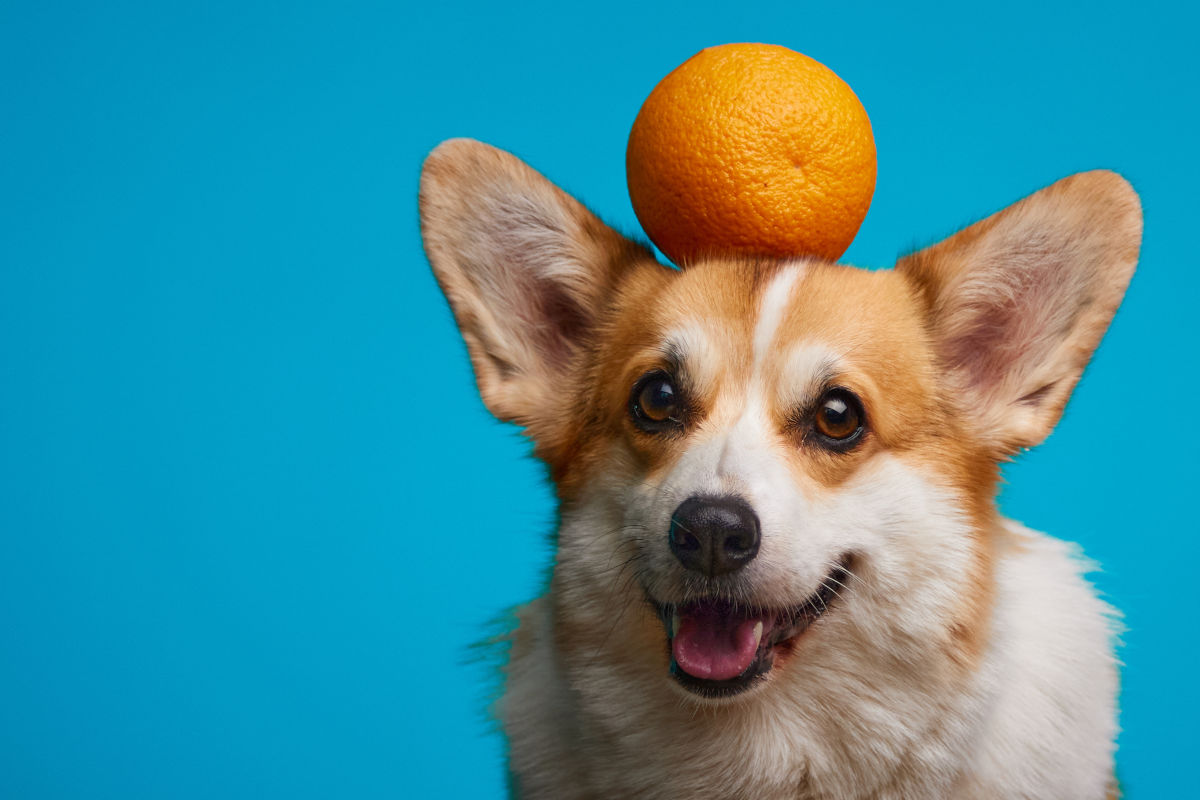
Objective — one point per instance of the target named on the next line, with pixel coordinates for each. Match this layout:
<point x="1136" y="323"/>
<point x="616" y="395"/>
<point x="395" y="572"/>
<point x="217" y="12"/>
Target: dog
<point x="780" y="571"/>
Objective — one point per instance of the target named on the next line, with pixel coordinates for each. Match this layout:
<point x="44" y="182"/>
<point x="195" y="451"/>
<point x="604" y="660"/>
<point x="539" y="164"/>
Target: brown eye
<point x="655" y="404"/>
<point x="839" y="417"/>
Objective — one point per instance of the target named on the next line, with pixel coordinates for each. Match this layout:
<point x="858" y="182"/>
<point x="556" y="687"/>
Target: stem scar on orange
<point x="751" y="149"/>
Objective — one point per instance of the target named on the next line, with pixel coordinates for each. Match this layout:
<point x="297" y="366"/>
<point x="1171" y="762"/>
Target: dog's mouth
<point x="719" y="648"/>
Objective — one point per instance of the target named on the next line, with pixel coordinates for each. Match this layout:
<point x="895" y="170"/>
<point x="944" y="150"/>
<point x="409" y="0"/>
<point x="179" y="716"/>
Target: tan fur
<point x="915" y="684"/>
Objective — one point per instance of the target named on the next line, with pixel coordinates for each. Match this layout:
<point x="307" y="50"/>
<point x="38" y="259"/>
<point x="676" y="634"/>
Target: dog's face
<point x="766" y="437"/>
<point x="769" y="465"/>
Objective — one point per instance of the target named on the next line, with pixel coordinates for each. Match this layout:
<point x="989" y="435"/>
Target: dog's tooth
<point x="758" y="629"/>
<point x="674" y="624"/>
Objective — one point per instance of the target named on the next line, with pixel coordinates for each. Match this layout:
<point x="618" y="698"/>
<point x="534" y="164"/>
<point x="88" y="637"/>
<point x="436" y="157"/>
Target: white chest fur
<point x="1036" y="719"/>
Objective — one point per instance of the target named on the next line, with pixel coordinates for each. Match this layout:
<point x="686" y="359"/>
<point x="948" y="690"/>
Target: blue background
<point x="252" y="513"/>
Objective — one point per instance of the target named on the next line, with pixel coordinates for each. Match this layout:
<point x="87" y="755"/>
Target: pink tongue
<point x="715" y="645"/>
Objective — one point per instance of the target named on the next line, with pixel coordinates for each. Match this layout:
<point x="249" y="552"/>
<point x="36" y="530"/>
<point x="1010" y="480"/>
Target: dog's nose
<point x="714" y="535"/>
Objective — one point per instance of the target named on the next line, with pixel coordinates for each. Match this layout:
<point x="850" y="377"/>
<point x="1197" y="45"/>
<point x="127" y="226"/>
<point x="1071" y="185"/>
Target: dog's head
<point x="768" y="463"/>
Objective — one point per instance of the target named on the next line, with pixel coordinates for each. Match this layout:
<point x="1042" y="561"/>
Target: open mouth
<point x="719" y="648"/>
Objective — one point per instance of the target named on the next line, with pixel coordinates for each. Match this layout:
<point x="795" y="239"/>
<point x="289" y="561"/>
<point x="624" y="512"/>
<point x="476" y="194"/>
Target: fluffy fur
<point x="964" y="656"/>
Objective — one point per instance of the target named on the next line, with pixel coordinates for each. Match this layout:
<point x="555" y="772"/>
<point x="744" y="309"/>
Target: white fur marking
<point x="701" y="357"/>
<point x="770" y="311"/>
<point x="807" y="366"/>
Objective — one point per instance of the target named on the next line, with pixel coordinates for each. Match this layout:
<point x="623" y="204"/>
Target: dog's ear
<point x="526" y="269"/>
<point x="1018" y="302"/>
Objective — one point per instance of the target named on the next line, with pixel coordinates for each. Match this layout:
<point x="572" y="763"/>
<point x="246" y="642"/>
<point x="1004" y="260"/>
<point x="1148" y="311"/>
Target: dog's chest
<point x="591" y="729"/>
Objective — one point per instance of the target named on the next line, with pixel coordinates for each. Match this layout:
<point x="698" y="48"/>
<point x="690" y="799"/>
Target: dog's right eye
<point x="655" y="404"/>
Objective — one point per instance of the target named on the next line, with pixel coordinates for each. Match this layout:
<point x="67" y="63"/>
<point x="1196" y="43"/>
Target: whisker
<point x="600" y="540"/>
<point x="610" y="567"/>
<point x="624" y="607"/>
<point x="833" y="580"/>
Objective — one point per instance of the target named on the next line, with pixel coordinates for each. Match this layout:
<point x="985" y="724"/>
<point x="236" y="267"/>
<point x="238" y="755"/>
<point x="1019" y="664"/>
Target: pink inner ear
<point x="534" y="309"/>
<point x="1019" y="301"/>
<point x="1014" y="311"/>
<point x="523" y="266"/>
<point x="558" y="322"/>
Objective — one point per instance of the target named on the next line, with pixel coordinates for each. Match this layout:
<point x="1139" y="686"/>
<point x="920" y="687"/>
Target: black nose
<point x="714" y="535"/>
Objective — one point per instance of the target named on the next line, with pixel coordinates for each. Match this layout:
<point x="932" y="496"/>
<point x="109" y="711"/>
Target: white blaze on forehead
<point x="770" y="310"/>
<point x="741" y="456"/>
<point x="746" y="455"/>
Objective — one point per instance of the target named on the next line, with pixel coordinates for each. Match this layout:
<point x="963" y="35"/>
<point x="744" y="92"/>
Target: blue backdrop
<point x="252" y="512"/>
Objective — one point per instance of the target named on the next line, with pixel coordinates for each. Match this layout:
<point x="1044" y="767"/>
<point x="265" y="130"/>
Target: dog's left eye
<point x="655" y="403"/>
<point x="839" y="418"/>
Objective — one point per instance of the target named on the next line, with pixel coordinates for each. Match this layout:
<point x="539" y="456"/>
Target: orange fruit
<point x="751" y="149"/>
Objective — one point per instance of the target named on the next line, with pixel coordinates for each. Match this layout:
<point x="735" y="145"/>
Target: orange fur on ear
<point x="525" y="267"/>
<point x="1018" y="302"/>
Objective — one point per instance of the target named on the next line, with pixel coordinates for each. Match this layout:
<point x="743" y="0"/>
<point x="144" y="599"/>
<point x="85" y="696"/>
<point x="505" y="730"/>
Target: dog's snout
<point x="714" y="535"/>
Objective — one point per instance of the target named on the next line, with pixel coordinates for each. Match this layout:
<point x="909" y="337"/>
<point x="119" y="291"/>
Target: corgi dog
<point x="780" y="571"/>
